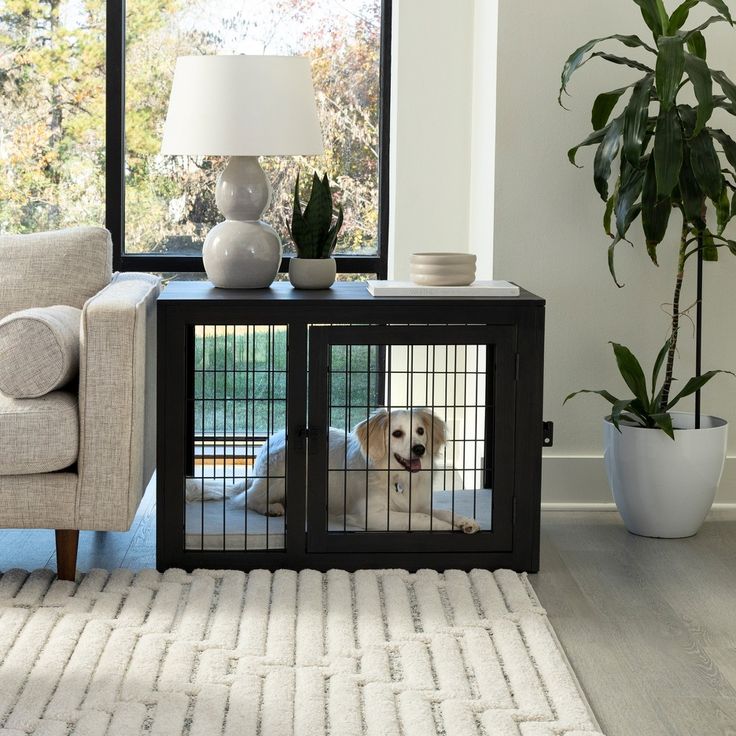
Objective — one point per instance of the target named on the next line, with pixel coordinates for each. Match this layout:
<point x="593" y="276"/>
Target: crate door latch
<point x="308" y="437"/>
<point x="548" y="434"/>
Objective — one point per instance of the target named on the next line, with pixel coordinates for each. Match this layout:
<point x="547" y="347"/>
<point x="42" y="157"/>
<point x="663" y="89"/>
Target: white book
<point x="409" y="288"/>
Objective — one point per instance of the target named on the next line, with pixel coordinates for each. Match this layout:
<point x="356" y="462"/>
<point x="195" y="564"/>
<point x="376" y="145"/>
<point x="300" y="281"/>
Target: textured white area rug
<point x="378" y="653"/>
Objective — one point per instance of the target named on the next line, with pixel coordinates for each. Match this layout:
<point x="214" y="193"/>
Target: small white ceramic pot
<point x="665" y="488"/>
<point x="312" y="273"/>
<point x="442" y="269"/>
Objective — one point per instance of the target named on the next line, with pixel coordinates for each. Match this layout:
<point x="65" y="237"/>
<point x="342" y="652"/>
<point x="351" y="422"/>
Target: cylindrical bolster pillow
<point x="39" y="350"/>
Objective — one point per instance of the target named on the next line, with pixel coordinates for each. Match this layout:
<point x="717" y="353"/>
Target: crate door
<point x="411" y="438"/>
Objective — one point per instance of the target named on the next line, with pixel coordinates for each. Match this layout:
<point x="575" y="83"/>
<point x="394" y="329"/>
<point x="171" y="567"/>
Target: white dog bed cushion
<point x="219" y="525"/>
<point x="39" y="350"/>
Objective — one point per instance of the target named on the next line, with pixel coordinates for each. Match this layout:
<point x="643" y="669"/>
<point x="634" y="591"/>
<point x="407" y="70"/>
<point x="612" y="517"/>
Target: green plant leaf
<point x="706" y="165"/>
<point x="655" y="212"/>
<point x="727" y="143"/>
<point x="670" y="68"/>
<point x="594" y="138"/>
<point x="622" y="61"/>
<point x="687" y="35"/>
<point x="658" y="363"/>
<point x="632" y="180"/>
<point x="605" y="155"/>
<point x="695" y="384"/>
<point x="652" y="12"/>
<point x="641" y="409"/>
<point x="617" y="412"/>
<point x="680" y="15"/>
<point x="721" y="7"/>
<point x="668" y="151"/>
<point x="724" y="103"/>
<point x="610" y="398"/>
<point x="297" y="227"/>
<point x="335" y="230"/>
<point x="728" y="87"/>
<point x="297" y="198"/>
<point x="700" y="77"/>
<point x="612" y="258"/>
<point x="578" y="57"/>
<point x="312" y="193"/>
<point x="693" y="199"/>
<point x="604" y="105"/>
<point x="723" y="210"/>
<point x="664" y="422"/>
<point x="688" y="118"/>
<point x="730" y="244"/>
<point x="635" y="119"/>
<point x="630" y="370"/>
<point x="697" y="46"/>
<point x="608" y="214"/>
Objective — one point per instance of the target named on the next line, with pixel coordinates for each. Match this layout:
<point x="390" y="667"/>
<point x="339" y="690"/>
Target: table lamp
<point x="242" y="107"/>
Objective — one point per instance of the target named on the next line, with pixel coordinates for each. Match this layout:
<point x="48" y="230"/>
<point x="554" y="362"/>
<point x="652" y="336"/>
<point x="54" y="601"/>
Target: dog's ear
<point x="372" y="434"/>
<point x="437" y="429"/>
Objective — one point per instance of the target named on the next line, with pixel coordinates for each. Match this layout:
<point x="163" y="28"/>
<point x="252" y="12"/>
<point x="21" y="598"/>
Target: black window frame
<point x="115" y="160"/>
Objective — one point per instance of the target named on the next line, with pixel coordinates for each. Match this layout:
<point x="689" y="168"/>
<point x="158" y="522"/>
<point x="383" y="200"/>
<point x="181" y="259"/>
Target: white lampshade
<point x="242" y="106"/>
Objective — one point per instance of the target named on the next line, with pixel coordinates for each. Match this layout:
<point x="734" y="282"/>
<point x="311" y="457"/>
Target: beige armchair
<point x="79" y="456"/>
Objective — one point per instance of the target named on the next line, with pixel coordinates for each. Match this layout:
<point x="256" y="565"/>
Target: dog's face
<point x="402" y="439"/>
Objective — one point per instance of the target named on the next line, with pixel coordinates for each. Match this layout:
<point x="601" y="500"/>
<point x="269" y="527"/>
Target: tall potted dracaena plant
<point x="672" y="162"/>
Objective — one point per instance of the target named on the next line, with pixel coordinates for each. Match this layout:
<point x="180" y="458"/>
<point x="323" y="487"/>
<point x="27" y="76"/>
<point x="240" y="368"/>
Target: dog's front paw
<point x="468" y="526"/>
<point x="275" y="509"/>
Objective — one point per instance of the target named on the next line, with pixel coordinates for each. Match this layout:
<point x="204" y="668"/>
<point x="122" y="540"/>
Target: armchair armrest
<point x="117" y="379"/>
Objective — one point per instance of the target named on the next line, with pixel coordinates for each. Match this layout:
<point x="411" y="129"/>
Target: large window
<point x="84" y="87"/>
<point x="160" y="208"/>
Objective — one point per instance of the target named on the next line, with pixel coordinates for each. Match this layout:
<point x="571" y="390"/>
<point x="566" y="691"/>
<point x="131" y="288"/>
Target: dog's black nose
<point x="418" y="450"/>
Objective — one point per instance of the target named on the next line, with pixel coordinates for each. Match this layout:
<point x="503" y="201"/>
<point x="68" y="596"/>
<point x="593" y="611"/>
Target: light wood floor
<point x="648" y="625"/>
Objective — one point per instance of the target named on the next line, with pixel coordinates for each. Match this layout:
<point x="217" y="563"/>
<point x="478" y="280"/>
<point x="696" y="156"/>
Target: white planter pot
<point x="664" y="488"/>
<point x="312" y="273"/>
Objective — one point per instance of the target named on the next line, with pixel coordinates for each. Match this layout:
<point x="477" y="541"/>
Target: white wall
<point x="548" y="236"/>
<point x="442" y="121"/>
<point x="483" y="135"/>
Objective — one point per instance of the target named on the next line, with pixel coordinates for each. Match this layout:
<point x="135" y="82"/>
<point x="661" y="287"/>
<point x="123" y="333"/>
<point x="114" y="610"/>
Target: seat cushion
<point x="39" y="350"/>
<point x="38" y="435"/>
<point x="61" y="267"/>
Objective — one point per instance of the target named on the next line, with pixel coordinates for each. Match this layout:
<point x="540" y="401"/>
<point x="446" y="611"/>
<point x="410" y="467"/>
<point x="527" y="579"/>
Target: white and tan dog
<point x="380" y="475"/>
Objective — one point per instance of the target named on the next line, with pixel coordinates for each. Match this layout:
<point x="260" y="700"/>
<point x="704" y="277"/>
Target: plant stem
<point x="668" y="377"/>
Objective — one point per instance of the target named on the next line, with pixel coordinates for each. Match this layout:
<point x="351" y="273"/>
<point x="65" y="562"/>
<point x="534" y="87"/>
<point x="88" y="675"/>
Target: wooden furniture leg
<point x="67" y="541"/>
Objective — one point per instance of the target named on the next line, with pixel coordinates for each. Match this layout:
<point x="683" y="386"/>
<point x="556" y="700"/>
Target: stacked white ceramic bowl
<point x="442" y="269"/>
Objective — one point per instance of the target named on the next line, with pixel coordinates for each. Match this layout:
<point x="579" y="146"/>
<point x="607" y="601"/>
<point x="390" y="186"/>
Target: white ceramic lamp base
<point x="242" y="252"/>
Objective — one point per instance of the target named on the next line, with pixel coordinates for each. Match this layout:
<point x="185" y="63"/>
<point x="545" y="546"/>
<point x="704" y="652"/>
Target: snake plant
<point x="312" y="229"/>
<point x="671" y="161"/>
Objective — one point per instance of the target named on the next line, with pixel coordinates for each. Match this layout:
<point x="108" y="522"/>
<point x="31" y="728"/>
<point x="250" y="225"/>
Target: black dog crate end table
<point x="330" y="429"/>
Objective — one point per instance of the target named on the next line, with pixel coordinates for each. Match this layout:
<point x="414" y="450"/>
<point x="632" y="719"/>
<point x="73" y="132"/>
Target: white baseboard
<point x="717" y="509"/>
<point x="579" y="483"/>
